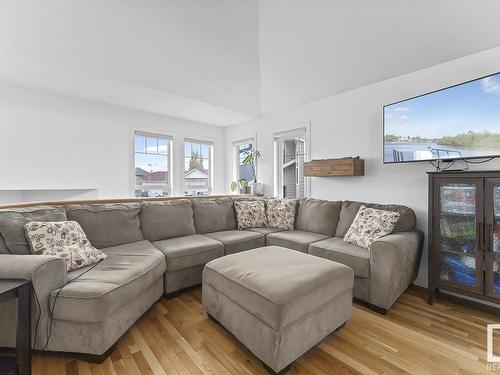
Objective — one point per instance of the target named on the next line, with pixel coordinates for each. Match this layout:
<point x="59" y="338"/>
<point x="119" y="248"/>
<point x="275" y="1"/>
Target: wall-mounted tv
<point x="458" y="122"/>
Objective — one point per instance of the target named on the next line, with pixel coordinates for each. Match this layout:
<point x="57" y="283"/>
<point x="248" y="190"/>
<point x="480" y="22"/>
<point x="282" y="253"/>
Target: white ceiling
<point x="189" y="52"/>
<point x="226" y="61"/>
<point x="311" y="49"/>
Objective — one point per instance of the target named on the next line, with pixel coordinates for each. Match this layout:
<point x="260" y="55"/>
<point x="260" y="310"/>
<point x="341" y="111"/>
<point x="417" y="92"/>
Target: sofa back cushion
<point x="162" y="220"/>
<point x="3" y="247"/>
<point x="12" y="223"/>
<point x="213" y="215"/>
<point x="108" y="225"/>
<point x="407" y="219"/>
<point x="318" y="216"/>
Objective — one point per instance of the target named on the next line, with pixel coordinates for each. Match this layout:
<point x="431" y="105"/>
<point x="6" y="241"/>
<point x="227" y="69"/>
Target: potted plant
<point x="251" y="160"/>
<point x="241" y="186"/>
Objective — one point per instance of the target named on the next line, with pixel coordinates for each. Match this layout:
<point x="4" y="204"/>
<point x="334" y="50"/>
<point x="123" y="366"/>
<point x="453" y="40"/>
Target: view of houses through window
<point x="197" y="164"/>
<point x="151" y="155"/>
<point x="244" y="171"/>
<point x="290" y="157"/>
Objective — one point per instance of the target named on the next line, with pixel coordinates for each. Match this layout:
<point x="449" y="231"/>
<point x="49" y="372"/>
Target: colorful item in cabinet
<point x="460" y="270"/>
<point x="496" y="276"/>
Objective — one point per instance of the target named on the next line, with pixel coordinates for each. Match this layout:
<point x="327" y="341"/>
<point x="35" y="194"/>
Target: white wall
<point x="57" y="147"/>
<point x="350" y="124"/>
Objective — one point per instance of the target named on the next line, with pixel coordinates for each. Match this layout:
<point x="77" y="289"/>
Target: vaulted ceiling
<point x="226" y="61"/>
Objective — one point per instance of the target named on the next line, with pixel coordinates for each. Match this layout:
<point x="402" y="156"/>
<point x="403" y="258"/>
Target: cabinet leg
<point x="430" y="295"/>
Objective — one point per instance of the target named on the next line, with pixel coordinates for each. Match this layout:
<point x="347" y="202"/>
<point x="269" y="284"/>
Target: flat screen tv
<point x="458" y="122"/>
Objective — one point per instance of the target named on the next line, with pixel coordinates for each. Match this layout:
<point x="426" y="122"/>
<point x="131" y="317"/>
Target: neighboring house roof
<point x="162" y="176"/>
<point x="159" y="176"/>
<point x="196" y="174"/>
<point x="140" y="171"/>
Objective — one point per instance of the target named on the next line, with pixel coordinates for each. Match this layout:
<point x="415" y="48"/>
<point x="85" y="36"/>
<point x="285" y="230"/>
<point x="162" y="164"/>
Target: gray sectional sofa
<point x="161" y="247"/>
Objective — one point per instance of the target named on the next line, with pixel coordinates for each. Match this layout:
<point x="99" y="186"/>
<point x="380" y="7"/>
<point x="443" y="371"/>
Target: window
<point x="241" y="150"/>
<point x="197" y="168"/>
<point x="290" y="153"/>
<point x="152" y="177"/>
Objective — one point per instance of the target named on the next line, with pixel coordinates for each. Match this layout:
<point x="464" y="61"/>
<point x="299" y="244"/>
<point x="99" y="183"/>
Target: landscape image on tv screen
<point x="460" y="122"/>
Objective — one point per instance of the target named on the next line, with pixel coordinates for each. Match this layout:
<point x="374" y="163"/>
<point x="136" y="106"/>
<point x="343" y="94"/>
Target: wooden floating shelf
<point x="334" y="168"/>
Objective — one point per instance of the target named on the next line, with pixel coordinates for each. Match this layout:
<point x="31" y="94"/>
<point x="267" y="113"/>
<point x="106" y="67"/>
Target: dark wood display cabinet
<point x="464" y="234"/>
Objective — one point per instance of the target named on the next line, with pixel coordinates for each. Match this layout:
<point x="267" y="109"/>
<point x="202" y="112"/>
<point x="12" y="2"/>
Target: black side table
<point x="20" y="289"/>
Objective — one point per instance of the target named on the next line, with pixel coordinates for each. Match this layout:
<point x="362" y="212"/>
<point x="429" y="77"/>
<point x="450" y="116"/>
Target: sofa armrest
<point x="47" y="273"/>
<point x="394" y="264"/>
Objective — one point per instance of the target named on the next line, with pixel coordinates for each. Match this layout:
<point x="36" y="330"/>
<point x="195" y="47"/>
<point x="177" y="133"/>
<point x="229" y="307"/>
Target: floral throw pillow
<point x="281" y="213"/>
<point x="369" y="225"/>
<point x="64" y="239"/>
<point x="250" y="214"/>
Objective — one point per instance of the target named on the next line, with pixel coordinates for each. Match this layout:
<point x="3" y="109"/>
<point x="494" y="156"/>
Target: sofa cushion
<point x="238" y="240"/>
<point x="343" y="252"/>
<point x="369" y="225"/>
<point x="295" y="239"/>
<point x="250" y="214"/>
<point x="108" y="225"/>
<point x="265" y="231"/>
<point x="349" y="210"/>
<point x="213" y="215"/>
<point x="189" y="251"/>
<point x="12" y="223"/>
<point x="3" y="247"/>
<point x="64" y="239"/>
<point x="281" y="213"/>
<point x="277" y="285"/>
<point x="162" y="220"/>
<point x="93" y="296"/>
<point x="318" y="216"/>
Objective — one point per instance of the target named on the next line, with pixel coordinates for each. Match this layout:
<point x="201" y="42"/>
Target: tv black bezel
<point x="431" y="160"/>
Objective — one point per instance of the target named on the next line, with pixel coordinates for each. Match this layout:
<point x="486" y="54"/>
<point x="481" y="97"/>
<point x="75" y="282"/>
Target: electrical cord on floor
<point x="51" y="310"/>
<point x="39" y="309"/>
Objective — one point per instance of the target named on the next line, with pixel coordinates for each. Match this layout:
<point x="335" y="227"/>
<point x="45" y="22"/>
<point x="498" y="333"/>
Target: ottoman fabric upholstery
<point x="292" y="300"/>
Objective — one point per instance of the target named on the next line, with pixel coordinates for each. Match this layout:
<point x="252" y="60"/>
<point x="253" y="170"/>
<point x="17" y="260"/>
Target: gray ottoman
<point x="278" y="302"/>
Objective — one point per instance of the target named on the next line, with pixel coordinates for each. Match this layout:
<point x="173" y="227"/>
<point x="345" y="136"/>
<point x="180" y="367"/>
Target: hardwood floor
<point x="176" y="337"/>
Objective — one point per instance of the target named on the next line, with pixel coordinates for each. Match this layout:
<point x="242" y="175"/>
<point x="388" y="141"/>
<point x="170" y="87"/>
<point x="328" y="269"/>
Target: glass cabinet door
<point x="492" y="237"/>
<point x="459" y="240"/>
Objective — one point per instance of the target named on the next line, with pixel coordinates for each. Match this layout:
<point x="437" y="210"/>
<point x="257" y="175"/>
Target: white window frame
<point x="169" y="140"/>
<point x="236" y="156"/>
<point x="210" y="163"/>
<point x="278" y="138"/>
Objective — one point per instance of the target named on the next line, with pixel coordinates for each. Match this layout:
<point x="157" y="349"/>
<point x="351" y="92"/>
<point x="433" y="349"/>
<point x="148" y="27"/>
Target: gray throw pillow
<point x="12" y="223"/>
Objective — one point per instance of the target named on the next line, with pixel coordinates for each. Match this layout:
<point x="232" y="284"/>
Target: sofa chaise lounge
<point x="161" y="247"/>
